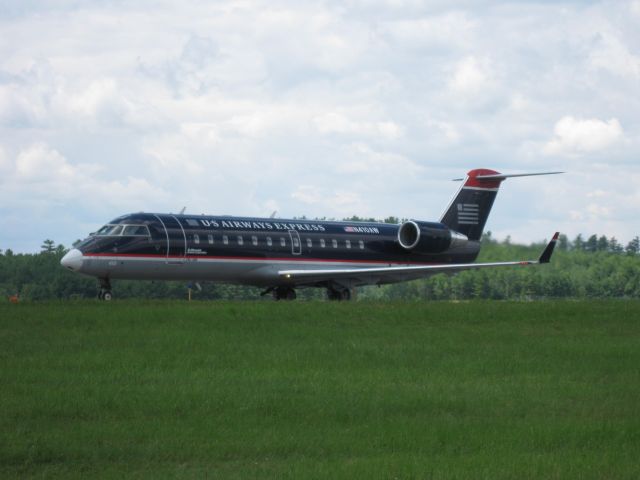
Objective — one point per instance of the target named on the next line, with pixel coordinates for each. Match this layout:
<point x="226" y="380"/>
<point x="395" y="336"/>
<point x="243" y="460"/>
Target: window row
<point x="281" y="240"/>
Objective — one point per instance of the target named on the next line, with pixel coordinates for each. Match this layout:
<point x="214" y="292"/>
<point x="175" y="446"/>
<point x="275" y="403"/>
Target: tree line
<point x="591" y="267"/>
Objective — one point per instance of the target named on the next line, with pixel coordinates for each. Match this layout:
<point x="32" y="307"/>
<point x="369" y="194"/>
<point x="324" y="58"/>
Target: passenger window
<point x="283" y="242"/>
<point x="296" y="242"/>
<point x="269" y="241"/>
<point x="210" y="238"/>
<point x="322" y="244"/>
<point x="334" y="243"/>
<point x="225" y="239"/>
<point x="196" y="238"/>
<point x="348" y="243"/>
<point x="240" y="240"/>
<point x="254" y="240"/>
<point x="309" y="243"/>
<point x="361" y="244"/>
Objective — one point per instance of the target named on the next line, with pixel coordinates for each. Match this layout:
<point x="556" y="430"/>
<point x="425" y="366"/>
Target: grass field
<point x="320" y="390"/>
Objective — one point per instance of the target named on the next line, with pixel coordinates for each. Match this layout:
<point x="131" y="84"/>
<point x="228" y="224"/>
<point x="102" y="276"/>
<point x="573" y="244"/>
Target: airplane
<point x="281" y="255"/>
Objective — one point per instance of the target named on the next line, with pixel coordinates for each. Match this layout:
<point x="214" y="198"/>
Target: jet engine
<point x="428" y="237"/>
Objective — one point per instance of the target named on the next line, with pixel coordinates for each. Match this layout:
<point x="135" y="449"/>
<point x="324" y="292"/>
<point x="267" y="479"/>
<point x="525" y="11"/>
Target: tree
<point x="614" y="246"/>
<point x="563" y="243"/>
<point x="578" y="243"/>
<point x="48" y="246"/>
<point x="603" y="244"/>
<point x="591" y="245"/>
<point x="633" y="247"/>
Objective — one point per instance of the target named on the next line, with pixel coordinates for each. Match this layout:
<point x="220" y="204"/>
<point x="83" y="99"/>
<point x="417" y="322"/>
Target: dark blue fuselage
<point x="184" y="237"/>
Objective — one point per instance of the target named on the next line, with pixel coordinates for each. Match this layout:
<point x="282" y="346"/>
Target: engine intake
<point x="427" y="237"/>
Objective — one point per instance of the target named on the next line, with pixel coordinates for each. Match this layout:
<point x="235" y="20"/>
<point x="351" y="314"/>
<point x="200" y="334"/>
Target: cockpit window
<point x="117" y="230"/>
<point x="104" y="230"/>
<point x="136" y="230"/>
<point x="129" y="230"/>
<point x="112" y="231"/>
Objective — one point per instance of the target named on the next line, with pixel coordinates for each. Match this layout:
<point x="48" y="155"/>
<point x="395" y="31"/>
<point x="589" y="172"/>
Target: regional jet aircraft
<point x="283" y="255"/>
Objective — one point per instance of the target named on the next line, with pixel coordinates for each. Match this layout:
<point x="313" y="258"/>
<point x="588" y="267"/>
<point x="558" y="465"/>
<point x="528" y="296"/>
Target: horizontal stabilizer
<point x="502" y="176"/>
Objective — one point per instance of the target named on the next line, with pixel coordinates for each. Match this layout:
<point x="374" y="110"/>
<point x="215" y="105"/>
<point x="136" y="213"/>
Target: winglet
<point x="546" y="254"/>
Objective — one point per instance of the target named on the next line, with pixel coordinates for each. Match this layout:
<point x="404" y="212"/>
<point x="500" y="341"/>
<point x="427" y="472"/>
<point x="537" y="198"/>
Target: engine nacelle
<point x="428" y="237"/>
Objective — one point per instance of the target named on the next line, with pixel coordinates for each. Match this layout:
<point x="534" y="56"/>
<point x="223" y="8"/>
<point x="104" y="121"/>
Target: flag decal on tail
<point x="468" y="213"/>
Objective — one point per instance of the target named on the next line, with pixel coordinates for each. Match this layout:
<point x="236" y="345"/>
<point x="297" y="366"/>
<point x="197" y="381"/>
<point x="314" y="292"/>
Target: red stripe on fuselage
<point x="262" y="259"/>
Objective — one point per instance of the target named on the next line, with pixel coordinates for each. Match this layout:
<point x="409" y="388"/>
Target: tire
<point x="107" y="296"/>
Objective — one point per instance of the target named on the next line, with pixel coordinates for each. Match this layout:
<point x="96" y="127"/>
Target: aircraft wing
<point x="380" y="275"/>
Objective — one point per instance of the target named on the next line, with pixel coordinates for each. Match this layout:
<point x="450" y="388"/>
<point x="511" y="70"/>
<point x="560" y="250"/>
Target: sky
<point x="324" y="109"/>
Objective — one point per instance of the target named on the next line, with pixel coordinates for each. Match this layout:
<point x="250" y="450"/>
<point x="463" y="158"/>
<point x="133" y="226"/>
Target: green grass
<point x="320" y="390"/>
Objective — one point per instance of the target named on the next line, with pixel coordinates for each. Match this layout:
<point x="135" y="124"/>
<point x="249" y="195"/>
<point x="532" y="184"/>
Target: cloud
<point x="41" y="177"/>
<point x="336" y="122"/>
<point x="471" y="76"/>
<point x="343" y="201"/>
<point x="612" y="55"/>
<point x="449" y="31"/>
<point x="40" y="163"/>
<point x="316" y="109"/>
<point x="574" y="136"/>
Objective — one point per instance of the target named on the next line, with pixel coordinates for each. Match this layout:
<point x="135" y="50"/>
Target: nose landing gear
<point x="105" y="290"/>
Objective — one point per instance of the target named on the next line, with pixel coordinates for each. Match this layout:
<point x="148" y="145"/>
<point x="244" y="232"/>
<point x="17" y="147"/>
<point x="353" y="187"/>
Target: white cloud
<point x="574" y="136"/>
<point x="39" y="162"/>
<point x="342" y="202"/>
<point x="472" y="77"/>
<point x="336" y="122"/>
<point x="612" y="54"/>
<point x="330" y="108"/>
<point x="42" y="178"/>
<point x="5" y="163"/>
<point x="447" y="30"/>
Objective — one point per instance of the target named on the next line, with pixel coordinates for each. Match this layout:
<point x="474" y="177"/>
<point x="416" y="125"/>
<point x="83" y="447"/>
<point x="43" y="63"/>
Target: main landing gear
<point x="280" y="293"/>
<point x="338" y="294"/>
<point x="105" y="290"/>
<point x="284" y="293"/>
<point x="288" y="293"/>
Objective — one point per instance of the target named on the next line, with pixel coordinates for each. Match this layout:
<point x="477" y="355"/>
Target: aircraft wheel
<point x="105" y="289"/>
<point x="284" y="293"/>
<point x="338" y="295"/>
<point x="332" y="294"/>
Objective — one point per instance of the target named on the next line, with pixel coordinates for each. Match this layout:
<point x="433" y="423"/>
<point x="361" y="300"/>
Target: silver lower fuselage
<point x="256" y="272"/>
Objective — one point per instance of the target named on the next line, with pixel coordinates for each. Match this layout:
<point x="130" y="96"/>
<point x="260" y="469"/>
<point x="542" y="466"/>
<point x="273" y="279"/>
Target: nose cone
<point x="72" y="260"/>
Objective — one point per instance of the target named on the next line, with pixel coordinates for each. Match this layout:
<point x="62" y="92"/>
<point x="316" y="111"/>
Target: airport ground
<point x="481" y="389"/>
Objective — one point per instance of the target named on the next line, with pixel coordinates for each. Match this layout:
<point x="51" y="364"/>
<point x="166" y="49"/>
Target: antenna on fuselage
<point x="273" y="214"/>
<point x="182" y="211"/>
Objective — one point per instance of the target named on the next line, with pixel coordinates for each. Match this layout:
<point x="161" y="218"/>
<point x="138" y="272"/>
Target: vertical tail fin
<point x="468" y="211"/>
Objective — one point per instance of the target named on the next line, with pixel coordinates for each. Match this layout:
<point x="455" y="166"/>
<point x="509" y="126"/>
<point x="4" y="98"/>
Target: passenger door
<point x="296" y="246"/>
<point x="177" y="240"/>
